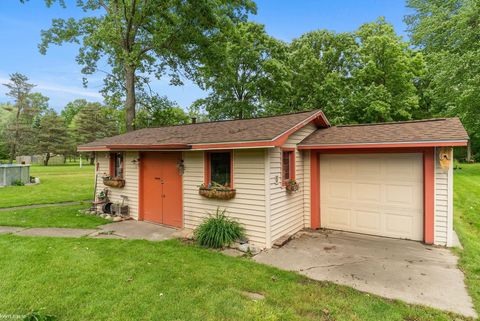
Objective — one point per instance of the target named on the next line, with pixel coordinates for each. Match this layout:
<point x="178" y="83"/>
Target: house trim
<point x="388" y="145"/>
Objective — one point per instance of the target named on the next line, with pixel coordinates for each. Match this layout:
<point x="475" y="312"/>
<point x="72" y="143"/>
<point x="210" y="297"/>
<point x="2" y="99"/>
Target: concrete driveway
<point x="396" y="269"/>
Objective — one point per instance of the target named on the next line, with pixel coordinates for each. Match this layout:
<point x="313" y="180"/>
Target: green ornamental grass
<point x="218" y="230"/>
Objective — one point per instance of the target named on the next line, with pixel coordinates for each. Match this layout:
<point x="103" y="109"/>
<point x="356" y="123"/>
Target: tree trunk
<point x="47" y="158"/>
<point x="130" y="100"/>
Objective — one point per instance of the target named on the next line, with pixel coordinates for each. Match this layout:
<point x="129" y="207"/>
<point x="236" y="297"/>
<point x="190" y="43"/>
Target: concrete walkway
<point x="41" y="205"/>
<point x="132" y="230"/>
<point x="396" y="269"/>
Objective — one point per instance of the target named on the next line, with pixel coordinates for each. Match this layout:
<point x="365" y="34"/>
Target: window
<point x="116" y="165"/>
<point x="288" y="164"/>
<point x="218" y="168"/>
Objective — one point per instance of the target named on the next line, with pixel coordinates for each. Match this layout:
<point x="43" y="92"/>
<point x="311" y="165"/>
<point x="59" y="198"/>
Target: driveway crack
<point x="333" y="265"/>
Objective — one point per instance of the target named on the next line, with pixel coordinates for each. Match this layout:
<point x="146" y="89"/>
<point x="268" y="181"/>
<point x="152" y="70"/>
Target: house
<point x="387" y="179"/>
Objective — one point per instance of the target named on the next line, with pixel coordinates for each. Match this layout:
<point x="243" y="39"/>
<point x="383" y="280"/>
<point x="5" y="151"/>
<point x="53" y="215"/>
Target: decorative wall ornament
<point x="181" y="167"/>
<point x="445" y="157"/>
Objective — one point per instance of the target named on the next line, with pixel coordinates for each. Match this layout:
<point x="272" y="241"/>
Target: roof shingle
<point x="429" y="130"/>
<point x="255" y="129"/>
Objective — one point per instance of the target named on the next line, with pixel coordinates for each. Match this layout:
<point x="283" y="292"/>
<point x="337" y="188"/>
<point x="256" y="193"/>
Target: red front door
<point x="161" y="188"/>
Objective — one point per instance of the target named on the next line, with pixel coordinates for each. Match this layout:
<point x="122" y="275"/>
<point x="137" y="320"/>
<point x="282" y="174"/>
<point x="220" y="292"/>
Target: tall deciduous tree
<point x="160" y="112"/>
<point x="447" y="32"/>
<point x="240" y="77"/>
<point x="319" y="66"/>
<point x="52" y="136"/>
<point x="139" y="38"/>
<point x="384" y="75"/>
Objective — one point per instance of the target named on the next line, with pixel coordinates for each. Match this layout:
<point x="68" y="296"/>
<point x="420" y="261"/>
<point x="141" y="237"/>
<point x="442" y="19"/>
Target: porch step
<point x="281" y="241"/>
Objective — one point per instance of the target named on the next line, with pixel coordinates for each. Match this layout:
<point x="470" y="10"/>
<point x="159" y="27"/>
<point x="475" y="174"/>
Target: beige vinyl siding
<point x="131" y="180"/>
<point x="248" y="206"/>
<point x="288" y="210"/>
<point x="443" y="202"/>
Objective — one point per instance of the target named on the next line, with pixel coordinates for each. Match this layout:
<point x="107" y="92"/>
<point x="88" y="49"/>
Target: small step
<point x="281" y="241"/>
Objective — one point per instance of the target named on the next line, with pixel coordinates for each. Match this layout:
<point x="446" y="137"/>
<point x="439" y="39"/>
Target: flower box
<point x="221" y="194"/>
<point x="291" y="186"/>
<point x="114" y="182"/>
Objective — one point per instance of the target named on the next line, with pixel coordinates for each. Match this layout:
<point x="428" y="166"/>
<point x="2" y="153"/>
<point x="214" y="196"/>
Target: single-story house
<point x="387" y="179"/>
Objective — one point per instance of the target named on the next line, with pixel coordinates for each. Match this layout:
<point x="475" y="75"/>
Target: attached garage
<point x="378" y="194"/>
<point x="387" y="179"/>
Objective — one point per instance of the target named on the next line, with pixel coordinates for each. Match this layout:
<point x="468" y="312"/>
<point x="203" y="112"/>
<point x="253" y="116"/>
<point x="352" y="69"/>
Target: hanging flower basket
<point x="291" y="186"/>
<point x="116" y="182"/>
<point x="217" y="191"/>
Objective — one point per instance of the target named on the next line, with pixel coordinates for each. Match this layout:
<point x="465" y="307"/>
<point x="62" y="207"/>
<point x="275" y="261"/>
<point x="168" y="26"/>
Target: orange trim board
<point x="428" y="184"/>
<point x="386" y="145"/>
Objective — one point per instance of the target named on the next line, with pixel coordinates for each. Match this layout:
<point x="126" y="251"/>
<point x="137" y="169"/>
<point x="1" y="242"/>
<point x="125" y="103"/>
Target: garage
<point x="378" y="194"/>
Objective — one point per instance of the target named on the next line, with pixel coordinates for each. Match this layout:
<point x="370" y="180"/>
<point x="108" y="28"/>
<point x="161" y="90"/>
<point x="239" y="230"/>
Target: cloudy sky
<point x="58" y="76"/>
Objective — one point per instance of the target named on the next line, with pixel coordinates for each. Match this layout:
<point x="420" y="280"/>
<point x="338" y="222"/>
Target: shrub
<point x="218" y="230"/>
<point x="17" y="182"/>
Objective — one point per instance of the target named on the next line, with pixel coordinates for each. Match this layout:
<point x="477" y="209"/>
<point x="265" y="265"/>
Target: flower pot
<point x="221" y="194"/>
<point x="114" y="182"/>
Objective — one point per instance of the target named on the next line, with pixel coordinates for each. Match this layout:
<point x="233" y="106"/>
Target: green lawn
<point x="94" y="279"/>
<point x="467" y="224"/>
<point x="58" y="184"/>
<point x="52" y="216"/>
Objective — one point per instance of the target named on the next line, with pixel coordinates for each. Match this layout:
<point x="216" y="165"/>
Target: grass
<point x="59" y="183"/>
<point x="52" y="216"/>
<point x="467" y="225"/>
<point x="94" y="279"/>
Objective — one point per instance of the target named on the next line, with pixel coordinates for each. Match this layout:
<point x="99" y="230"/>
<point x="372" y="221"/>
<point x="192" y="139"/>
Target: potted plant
<point x="116" y="182"/>
<point x="216" y="191"/>
<point x="291" y="186"/>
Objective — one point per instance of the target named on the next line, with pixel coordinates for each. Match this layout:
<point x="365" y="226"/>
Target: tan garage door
<point x="378" y="194"/>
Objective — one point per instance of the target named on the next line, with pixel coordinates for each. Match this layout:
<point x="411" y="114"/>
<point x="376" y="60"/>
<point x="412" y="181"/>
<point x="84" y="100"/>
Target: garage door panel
<point x="340" y="169"/>
<point x="339" y="190"/>
<point x="369" y="167"/>
<point x="368" y="221"/>
<point x="371" y="192"/>
<point x="380" y="194"/>
<point x="339" y="217"/>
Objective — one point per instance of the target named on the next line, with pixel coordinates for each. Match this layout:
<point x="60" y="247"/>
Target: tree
<point x="318" y="74"/>
<point x="93" y="122"/>
<point x="20" y="127"/>
<point x="384" y="76"/>
<point x="447" y="32"/>
<point x="52" y="135"/>
<point x="72" y="108"/>
<point x="239" y="79"/>
<point x="161" y="112"/>
<point x="139" y="38"/>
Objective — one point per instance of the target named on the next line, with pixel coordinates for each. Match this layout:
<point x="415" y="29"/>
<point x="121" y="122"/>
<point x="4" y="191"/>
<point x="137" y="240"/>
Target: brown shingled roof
<point x="420" y="131"/>
<point x="263" y="129"/>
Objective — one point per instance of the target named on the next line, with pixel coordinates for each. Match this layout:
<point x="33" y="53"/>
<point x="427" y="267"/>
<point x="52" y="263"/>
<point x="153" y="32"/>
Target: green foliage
<point x="52" y="136"/>
<point x="218" y="230"/>
<point x="142" y="38"/>
<point x="17" y="182"/>
<point x="72" y="108"/>
<point x="239" y="72"/>
<point x="18" y="133"/>
<point x="447" y="32"/>
<point x="92" y="122"/>
<point x="160" y="111"/>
